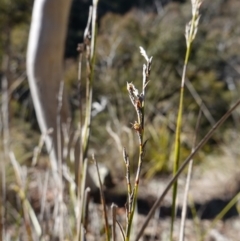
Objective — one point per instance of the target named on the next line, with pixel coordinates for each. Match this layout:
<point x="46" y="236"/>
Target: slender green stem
<point x="89" y="48"/>
<point x="176" y="160"/>
<point x="134" y="194"/>
<point x="90" y="56"/>
<point x="129" y="185"/>
<point x="177" y="145"/>
<point x="107" y="230"/>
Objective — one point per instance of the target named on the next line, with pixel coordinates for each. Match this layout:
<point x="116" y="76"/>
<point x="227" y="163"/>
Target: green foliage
<point x="12" y="15"/>
<point x="159" y="153"/>
<point x="14" y="12"/>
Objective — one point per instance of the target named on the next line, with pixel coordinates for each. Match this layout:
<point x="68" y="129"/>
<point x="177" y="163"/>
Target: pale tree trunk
<point x="45" y="67"/>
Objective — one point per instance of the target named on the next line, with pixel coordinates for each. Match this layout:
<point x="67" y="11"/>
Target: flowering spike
<point x="143" y="53"/>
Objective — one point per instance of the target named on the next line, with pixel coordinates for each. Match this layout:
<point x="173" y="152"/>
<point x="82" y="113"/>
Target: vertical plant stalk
<point x="88" y="47"/>
<point x="190" y="33"/>
<point x="138" y="101"/>
<point x="85" y="207"/>
<point x="78" y="136"/>
<point x="81" y="201"/>
<point x="90" y="57"/>
<point x="129" y="185"/>
<point x="189" y="175"/>
<point x="114" y="219"/>
<point x="107" y="231"/>
<point x="4" y="157"/>
<point x="60" y="164"/>
<point x="81" y="168"/>
<point x="86" y="51"/>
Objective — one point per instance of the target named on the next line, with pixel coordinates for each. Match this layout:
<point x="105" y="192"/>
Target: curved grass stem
<point x="183" y="166"/>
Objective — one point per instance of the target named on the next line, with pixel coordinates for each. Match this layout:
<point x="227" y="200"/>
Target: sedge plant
<point x="87" y="49"/>
<point x="138" y="101"/>
<point x="190" y="34"/>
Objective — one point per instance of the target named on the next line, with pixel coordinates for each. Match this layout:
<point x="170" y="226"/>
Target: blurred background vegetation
<point x="158" y="26"/>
